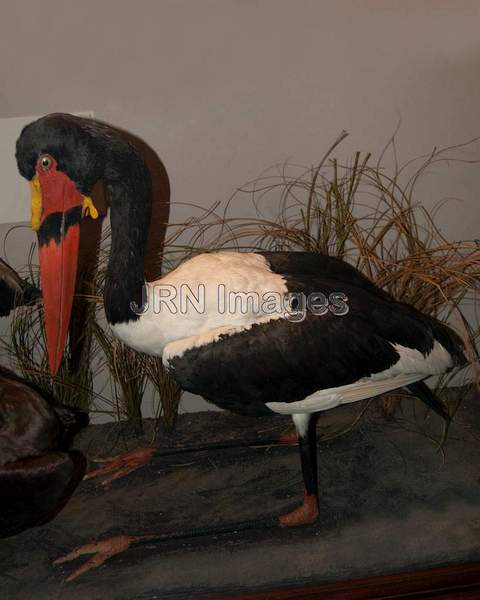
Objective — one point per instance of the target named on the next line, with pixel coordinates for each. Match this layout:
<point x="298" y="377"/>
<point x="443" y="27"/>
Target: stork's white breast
<point x="190" y="301"/>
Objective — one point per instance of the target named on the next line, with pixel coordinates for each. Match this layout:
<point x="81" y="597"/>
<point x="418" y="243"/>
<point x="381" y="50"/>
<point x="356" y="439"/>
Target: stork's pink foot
<point x="302" y="515"/>
<point x="103" y="550"/>
<point x="121" y="465"/>
<point x="289" y="437"/>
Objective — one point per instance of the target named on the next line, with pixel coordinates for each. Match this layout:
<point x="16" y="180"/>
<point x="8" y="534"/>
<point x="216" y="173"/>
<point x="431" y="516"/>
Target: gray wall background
<point x="223" y="89"/>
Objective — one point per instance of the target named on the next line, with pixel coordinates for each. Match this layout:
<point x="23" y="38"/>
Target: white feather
<point x="235" y="271"/>
<point x="301" y="423"/>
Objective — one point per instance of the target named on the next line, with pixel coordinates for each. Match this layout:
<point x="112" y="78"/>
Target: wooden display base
<point x="459" y="582"/>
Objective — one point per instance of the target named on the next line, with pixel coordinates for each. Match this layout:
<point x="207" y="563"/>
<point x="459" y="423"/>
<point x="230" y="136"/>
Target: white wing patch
<point x="437" y="361"/>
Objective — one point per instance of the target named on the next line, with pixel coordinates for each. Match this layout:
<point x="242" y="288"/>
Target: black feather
<point x="421" y="391"/>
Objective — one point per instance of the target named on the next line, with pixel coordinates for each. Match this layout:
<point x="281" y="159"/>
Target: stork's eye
<point x="45" y="162"/>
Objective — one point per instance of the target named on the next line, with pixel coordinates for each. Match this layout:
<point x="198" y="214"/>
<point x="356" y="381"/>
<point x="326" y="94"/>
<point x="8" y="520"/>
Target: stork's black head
<point x="77" y="145"/>
<point x="63" y="156"/>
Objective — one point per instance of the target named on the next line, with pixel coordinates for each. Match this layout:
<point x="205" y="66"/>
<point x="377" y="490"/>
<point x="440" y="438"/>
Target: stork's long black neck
<point x="129" y="184"/>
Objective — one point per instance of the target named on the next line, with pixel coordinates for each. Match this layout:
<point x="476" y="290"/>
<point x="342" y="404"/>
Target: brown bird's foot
<point x="304" y="514"/>
<point x="102" y="550"/>
<point x="121" y="465"/>
<point x="289" y="437"/>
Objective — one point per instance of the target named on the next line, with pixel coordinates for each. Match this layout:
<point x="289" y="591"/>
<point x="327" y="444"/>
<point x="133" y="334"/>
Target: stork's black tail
<point x="425" y="394"/>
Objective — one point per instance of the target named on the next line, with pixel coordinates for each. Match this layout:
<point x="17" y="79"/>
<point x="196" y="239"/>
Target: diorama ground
<point x="390" y="501"/>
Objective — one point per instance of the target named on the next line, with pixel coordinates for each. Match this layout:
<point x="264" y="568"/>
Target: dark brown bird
<point x="37" y="474"/>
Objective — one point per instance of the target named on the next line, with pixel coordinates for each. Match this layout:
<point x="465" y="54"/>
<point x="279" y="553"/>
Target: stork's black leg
<point x="306" y="426"/>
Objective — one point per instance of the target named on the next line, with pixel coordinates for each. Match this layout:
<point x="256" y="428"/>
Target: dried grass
<point x="127" y="375"/>
<point x="167" y="391"/>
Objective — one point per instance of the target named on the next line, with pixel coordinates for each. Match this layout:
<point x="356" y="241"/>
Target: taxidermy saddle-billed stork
<point x="37" y="474"/>
<point x="252" y="360"/>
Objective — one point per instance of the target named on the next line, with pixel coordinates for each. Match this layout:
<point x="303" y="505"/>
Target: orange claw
<point x="103" y="550"/>
<point x="121" y="465"/>
<point x="304" y="514"/>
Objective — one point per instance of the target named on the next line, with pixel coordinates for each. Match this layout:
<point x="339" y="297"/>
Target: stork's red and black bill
<point x="57" y="209"/>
